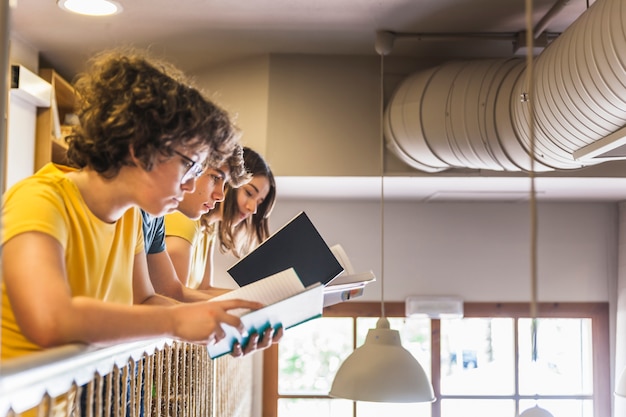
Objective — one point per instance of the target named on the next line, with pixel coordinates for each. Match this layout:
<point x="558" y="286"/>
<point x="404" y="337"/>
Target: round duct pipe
<point x="469" y="114"/>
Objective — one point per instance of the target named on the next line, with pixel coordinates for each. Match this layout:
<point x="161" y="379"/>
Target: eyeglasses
<point x="194" y="169"/>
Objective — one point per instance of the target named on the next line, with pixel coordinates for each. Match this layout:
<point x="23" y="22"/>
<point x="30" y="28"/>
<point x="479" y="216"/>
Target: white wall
<point x="22" y="53"/>
<point x="21" y="122"/>
<point x="478" y="251"/>
<point x="242" y="88"/>
<point x="21" y="125"/>
<point x="620" y="314"/>
<point x="317" y="109"/>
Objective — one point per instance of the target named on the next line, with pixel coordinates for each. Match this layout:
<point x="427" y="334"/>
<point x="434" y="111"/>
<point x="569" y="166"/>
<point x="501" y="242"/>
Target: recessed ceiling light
<point x="90" y="7"/>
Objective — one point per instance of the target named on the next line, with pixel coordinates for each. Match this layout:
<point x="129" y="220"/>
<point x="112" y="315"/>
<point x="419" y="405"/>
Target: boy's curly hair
<point x="239" y="175"/>
<point x="128" y="101"/>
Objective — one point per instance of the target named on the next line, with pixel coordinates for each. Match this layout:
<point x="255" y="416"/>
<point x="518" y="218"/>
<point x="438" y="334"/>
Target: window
<point x="471" y="361"/>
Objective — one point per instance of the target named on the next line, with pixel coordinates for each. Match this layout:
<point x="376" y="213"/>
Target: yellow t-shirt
<point x="179" y="225"/>
<point x="98" y="255"/>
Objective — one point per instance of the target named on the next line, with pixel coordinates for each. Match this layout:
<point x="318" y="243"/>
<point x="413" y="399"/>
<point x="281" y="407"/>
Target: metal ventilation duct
<point x="468" y="114"/>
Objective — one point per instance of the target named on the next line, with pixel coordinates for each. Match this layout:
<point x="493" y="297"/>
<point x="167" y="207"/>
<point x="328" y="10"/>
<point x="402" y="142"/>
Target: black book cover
<point x="296" y="245"/>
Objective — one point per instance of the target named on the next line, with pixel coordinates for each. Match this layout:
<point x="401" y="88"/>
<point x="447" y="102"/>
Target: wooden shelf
<point x="49" y="143"/>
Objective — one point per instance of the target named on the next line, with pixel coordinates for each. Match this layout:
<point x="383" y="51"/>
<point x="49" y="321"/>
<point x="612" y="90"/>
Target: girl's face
<point x="209" y="190"/>
<point x="250" y="196"/>
<point x="163" y="187"/>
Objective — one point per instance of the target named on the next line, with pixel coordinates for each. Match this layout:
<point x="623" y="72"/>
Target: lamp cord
<point x="382" y="189"/>
<point x="533" y="201"/>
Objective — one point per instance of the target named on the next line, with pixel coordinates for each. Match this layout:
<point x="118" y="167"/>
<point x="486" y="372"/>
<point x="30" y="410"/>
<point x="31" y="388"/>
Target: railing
<point x="153" y="378"/>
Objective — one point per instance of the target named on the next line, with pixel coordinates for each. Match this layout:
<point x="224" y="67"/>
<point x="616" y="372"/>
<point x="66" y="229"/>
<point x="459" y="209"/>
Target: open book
<point x="348" y="285"/>
<point x="299" y="245"/>
<point x="287" y="303"/>
<point x="296" y="245"/>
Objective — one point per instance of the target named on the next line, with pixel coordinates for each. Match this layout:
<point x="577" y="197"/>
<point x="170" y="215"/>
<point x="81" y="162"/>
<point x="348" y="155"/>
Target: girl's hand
<point x="256" y="343"/>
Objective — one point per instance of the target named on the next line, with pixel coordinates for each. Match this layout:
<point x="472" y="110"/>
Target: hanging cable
<point x="382" y="189"/>
<point x="528" y="98"/>
<point x="533" y="202"/>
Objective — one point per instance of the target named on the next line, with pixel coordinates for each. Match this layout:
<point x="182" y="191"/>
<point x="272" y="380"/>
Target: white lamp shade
<point x="620" y="388"/>
<point x="382" y="371"/>
<point x="536" y="411"/>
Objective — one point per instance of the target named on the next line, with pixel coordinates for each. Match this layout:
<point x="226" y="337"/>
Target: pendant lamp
<point x="527" y="98"/>
<point x="381" y="370"/>
<point x="536" y="411"/>
<point x="620" y="389"/>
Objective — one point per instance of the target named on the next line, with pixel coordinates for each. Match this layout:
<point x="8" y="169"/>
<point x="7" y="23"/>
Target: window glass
<point x="310" y="354"/>
<point x="365" y="409"/>
<point x="478" y="407"/>
<point x="564" y="357"/>
<point x="292" y="407"/>
<point x="478" y="356"/>
<point x="558" y="408"/>
<point x="485" y="366"/>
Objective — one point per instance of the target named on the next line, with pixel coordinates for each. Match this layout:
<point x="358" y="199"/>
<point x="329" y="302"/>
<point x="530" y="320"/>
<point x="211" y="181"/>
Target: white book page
<point x="268" y="290"/>
<point x="305" y="305"/>
<point x="351" y="281"/>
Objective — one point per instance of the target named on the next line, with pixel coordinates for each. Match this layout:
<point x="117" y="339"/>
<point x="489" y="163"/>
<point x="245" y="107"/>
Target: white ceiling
<point x="200" y="33"/>
<point x="197" y="34"/>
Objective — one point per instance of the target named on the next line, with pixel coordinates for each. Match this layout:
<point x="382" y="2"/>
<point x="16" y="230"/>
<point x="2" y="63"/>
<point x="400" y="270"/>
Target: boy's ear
<point x="133" y="158"/>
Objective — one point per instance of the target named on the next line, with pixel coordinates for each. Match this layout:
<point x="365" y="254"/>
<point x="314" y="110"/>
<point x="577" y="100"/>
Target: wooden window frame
<point x="597" y="312"/>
